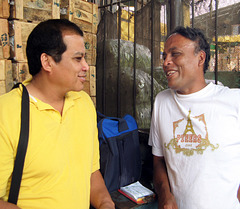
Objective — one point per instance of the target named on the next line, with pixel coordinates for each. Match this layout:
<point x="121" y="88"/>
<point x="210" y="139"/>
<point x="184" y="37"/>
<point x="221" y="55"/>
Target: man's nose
<point x="85" y="65"/>
<point x="167" y="61"/>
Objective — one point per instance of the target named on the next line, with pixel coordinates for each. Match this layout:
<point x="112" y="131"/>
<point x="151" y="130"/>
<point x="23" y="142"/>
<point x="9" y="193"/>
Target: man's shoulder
<point x="164" y="97"/>
<point x="10" y="104"/>
<point x="165" y="93"/>
<point x="11" y="98"/>
<point x="227" y="91"/>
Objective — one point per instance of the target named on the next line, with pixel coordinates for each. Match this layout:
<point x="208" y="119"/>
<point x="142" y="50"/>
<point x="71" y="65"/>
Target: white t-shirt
<point x="199" y="136"/>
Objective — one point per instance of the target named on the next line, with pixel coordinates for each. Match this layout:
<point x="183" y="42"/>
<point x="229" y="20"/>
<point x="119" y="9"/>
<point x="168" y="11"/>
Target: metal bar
<point x="165" y="19"/>
<point x="128" y="20"/>
<point x="192" y="13"/>
<point x="111" y="7"/>
<point x="161" y="21"/>
<point x="134" y="60"/>
<point x="119" y="65"/>
<point x="152" y="50"/>
<point x="104" y="66"/>
<point x="176" y="16"/>
<point x="216" y="41"/>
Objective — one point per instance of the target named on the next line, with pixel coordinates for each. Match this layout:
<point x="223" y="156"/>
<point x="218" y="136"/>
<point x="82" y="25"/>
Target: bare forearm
<point x="160" y="177"/>
<point x="238" y="194"/>
<point x="161" y="184"/>
<point x="106" y="206"/>
<point x="100" y="198"/>
<point x="7" y="205"/>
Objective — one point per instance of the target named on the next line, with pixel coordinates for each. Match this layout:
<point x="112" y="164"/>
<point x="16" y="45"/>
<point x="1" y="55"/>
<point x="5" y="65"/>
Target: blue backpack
<point x="120" y="157"/>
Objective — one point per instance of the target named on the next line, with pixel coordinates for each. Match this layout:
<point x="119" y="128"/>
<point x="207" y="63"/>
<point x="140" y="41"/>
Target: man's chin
<point x="79" y="89"/>
<point x="171" y="86"/>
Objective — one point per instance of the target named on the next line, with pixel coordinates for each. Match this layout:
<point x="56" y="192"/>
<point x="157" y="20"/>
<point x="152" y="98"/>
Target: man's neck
<point x="46" y="93"/>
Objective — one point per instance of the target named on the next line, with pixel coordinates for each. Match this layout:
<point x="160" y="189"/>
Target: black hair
<point x="196" y="35"/>
<point x="47" y="38"/>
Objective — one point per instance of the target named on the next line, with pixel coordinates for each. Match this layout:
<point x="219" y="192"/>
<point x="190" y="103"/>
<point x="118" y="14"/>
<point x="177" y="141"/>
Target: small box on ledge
<point x="138" y="193"/>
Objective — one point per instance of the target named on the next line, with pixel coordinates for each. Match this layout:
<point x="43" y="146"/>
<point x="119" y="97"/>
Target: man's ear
<point x="46" y="62"/>
<point x="202" y="57"/>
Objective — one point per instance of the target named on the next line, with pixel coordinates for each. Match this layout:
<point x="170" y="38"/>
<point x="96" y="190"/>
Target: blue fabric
<point x="110" y="126"/>
<point x="120" y="158"/>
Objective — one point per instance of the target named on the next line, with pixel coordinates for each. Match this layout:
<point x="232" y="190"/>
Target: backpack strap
<point x="21" y="150"/>
<point x="122" y="124"/>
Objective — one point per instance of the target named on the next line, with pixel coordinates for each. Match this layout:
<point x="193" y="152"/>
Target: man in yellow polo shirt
<point x="61" y="169"/>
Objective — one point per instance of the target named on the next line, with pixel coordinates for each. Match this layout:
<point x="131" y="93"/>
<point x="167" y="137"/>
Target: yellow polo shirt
<point x="62" y="151"/>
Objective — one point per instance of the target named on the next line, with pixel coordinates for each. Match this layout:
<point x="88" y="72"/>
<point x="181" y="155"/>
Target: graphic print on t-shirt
<point x="190" y="136"/>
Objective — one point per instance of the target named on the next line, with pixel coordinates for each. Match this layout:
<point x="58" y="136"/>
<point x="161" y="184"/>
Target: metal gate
<point x="131" y="37"/>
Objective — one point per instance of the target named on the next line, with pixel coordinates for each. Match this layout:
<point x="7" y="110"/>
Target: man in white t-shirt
<point x="195" y="131"/>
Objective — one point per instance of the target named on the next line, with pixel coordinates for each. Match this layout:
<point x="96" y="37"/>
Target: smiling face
<point x="70" y="73"/>
<point x="182" y="65"/>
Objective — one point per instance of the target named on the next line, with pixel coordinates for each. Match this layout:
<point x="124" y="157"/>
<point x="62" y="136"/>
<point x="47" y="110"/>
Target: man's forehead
<point x="177" y="41"/>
